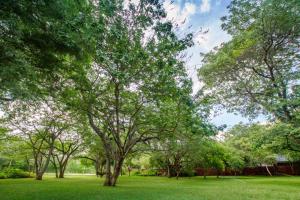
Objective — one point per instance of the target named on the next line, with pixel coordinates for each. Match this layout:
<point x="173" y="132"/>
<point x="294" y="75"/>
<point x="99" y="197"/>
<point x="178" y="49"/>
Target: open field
<point x="152" y="188"/>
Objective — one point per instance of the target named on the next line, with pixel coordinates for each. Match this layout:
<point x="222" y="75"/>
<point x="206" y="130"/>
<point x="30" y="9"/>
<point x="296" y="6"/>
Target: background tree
<point x="94" y="153"/>
<point x="39" y="125"/>
<point x="208" y="154"/>
<point x="174" y="150"/>
<point x="250" y="141"/>
<point x="66" y="145"/>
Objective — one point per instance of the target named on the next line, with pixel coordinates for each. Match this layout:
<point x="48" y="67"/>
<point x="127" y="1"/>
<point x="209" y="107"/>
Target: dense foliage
<point x="257" y="71"/>
<point x="103" y="85"/>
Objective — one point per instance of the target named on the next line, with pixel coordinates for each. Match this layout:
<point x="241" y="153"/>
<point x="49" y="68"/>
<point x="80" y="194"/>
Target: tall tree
<point x="258" y="70"/>
<point x="136" y="68"/>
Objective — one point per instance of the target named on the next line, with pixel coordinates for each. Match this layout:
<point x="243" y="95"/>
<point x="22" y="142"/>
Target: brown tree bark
<point x="61" y="173"/>
<point x="117" y="170"/>
<point x="168" y="171"/>
<point x="41" y="168"/>
<point x="108" y="175"/>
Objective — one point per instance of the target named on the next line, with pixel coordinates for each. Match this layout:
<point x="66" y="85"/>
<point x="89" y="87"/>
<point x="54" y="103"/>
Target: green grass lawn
<point x="152" y="188"/>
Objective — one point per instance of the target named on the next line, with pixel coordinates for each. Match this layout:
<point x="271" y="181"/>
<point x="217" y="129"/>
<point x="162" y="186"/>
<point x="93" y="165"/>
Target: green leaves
<point x="39" y="41"/>
<point x="253" y="72"/>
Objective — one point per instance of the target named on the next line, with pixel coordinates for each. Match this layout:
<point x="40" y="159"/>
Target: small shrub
<point x="146" y="173"/>
<point x="187" y="173"/>
<point x="137" y="173"/>
<point x="2" y="175"/>
<point x="150" y="172"/>
<point x="16" y="173"/>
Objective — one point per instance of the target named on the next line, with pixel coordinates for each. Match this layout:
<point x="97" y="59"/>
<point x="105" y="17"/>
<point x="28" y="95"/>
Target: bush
<point x="2" y="175"/>
<point x="187" y="173"/>
<point x="15" y="173"/>
<point x="146" y="173"/>
<point x="150" y="172"/>
<point x="137" y="173"/>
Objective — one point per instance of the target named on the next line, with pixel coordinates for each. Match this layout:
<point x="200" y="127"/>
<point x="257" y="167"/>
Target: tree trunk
<point x="28" y="165"/>
<point x="177" y="174"/>
<point x="268" y="170"/>
<point x="101" y="169"/>
<point x="168" y="171"/>
<point x="129" y="170"/>
<point x="108" y="174"/>
<point x="55" y="166"/>
<point x="39" y="176"/>
<point x="97" y="169"/>
<point x="292" y="168"/>
<point x="56" y="172"/>
<point x="61" y="172"/>
<point x="40" y="169"/>
<point x="117" y="170"/>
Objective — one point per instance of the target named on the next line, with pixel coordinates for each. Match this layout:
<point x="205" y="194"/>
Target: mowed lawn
<point x="152" y="188"/>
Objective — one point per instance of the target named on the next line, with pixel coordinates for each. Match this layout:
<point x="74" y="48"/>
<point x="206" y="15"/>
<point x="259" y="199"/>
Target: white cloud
<point x="205" y="6"/>
<point x="204" y="42"/>
<point x="177" y="14"/>
<point x="127" y="2"/>
<point x="214" y="37"/>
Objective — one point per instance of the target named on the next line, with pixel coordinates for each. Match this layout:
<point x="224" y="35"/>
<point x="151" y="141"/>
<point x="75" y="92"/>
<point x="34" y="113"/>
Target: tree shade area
<point x="100" y="92"/>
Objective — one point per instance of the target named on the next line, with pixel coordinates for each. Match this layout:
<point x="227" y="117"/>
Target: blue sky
<point x="196" y="15"/>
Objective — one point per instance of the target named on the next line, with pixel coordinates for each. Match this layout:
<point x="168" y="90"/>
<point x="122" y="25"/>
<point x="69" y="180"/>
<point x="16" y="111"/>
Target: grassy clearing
<point x="152" y="188"/>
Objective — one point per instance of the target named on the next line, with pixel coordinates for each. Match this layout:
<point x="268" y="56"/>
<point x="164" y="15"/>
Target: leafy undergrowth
<point x="14" y="173"/>
<point x="152" y="188"/>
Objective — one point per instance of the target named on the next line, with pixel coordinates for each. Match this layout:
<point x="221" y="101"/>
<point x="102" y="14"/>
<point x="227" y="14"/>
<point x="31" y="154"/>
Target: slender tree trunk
<point x="168" y="171"/>
<point x="56" y="170"/>
<point x="96" y="168"/>
<point x="268" y="170"/>
<point x="28" y="165"/>
<point x="177" y="174"/>
<point x="292" y="168"/>
<point x="129" y="170"/>
<point x="55" y="166"/>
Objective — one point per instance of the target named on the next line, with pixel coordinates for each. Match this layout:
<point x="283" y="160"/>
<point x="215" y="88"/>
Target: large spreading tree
<point x="136" y="71"/>
<point x="257" y="71"/>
